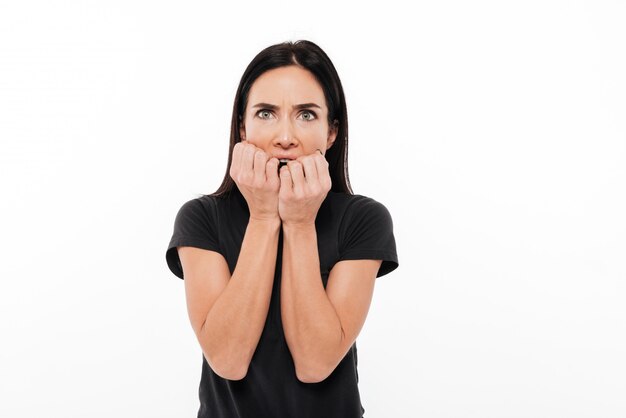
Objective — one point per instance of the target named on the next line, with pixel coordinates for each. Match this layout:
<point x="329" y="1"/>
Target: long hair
<point x="307" y="55"/>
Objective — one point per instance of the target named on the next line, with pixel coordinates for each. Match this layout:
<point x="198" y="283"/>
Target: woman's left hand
<point x="304" y="184"/>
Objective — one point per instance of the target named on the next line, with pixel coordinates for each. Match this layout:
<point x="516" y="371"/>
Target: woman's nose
<point x="286" y="133"/>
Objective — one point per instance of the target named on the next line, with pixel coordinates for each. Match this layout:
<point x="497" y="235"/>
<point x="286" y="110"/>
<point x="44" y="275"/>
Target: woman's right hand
<point x="257" y="180"/>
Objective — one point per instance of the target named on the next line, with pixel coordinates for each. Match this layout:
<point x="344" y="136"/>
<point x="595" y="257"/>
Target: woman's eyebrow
<point x="298" y="106"/>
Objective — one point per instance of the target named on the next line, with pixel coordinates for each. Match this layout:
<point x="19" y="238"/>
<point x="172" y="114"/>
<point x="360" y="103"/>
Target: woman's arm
<point x="228" y="313"/>
<point x="320" y="324"/>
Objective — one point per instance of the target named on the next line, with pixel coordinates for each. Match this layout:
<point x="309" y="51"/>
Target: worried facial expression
<point x="286" y="115"/>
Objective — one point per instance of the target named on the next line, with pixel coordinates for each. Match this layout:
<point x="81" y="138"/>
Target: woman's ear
<point x="332" y="134"/>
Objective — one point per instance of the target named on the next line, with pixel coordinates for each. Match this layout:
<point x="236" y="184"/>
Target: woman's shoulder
<point x="198" y="202"/>
<point x="200" y="207"/>
<point x="354" y="201"/>
<point x="213" y="199"/>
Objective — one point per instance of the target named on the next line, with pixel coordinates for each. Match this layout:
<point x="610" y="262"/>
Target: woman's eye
<point x="308" y="115"/>
<point x="264" y="114"/>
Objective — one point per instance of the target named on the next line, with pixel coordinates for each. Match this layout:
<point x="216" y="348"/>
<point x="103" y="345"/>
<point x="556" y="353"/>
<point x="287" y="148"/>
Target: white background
<point x="494" y="132"/>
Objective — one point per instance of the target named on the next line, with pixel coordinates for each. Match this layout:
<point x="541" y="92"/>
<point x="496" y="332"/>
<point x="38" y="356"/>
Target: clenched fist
<point x="304" y="184"/>
<point x="256" y="176"/>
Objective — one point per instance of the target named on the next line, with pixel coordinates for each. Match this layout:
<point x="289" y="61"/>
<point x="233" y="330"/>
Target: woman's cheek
<point x="319" y="138"/>
<point x="313" y="132"/>
<point x="259" y="133"/>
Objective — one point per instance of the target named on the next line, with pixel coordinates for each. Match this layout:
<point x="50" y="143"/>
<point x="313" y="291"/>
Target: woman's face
<point x="286" y="114"/>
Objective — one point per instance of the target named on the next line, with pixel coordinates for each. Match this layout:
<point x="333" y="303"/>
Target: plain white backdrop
<point x="494" y="132"/>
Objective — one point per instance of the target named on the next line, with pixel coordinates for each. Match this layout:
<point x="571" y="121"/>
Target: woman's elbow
<point x="311" y="376"/>
<point x="226" y="370"/>
<point x="237" y="375"/>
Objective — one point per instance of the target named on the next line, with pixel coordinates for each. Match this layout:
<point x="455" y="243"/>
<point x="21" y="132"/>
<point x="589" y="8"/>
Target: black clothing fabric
<point x="349" y="227"/>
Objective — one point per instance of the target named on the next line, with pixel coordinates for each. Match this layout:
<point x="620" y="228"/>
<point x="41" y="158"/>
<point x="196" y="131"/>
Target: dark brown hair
<point x="311" y="57"/>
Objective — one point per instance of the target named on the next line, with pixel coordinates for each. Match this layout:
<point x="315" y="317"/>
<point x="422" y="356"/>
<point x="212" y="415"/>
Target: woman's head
<point x="266" y="111"/>
<point x="286" y="114"/>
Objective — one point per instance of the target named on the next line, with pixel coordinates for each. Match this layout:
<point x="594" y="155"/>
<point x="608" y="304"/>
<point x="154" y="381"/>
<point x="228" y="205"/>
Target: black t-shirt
<point x="349" y="227"/>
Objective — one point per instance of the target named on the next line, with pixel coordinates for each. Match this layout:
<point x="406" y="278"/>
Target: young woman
<point x="280" y="262"/>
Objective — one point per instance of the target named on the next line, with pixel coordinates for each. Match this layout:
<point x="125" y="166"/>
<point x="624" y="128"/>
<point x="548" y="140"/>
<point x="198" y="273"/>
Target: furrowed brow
<point x="274" y="107"/>
<point x="306" y="105"/>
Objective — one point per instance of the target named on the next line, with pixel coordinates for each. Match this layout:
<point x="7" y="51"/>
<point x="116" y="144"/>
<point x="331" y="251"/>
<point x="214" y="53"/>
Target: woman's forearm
<point x="234" y="324"/>
<point x="311" y="325"/>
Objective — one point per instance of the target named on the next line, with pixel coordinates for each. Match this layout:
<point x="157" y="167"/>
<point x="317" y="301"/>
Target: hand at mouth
<point x="282" y="162"/>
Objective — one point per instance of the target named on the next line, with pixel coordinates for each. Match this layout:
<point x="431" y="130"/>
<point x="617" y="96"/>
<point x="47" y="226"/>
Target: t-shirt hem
<point x="389" y="264"/>
<point x="173" y="260"/>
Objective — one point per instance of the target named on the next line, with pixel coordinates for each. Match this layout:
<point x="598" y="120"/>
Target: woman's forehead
<point x="286" y="84"/>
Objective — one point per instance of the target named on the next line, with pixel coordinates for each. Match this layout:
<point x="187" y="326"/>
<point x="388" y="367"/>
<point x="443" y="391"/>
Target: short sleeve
<point x="195" y="225"/>
<point x="366" y="232"/>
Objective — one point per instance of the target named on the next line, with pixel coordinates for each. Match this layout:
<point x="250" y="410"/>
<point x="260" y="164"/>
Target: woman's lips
<point x="283" y="159"/>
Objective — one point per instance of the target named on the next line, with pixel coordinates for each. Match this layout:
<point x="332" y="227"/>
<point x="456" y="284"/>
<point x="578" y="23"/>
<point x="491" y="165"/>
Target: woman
<point x="280" y="263"/>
